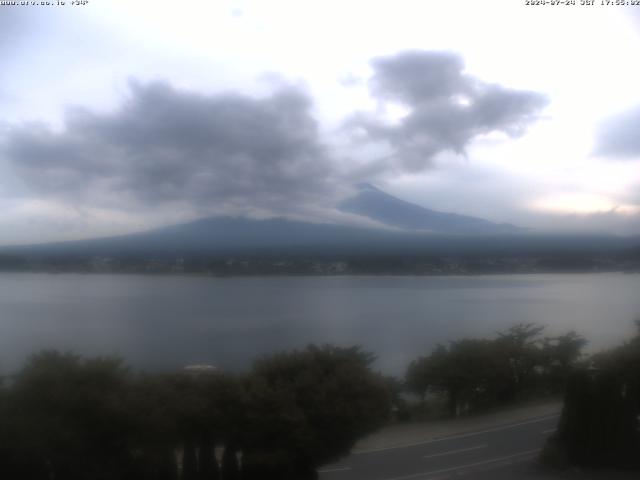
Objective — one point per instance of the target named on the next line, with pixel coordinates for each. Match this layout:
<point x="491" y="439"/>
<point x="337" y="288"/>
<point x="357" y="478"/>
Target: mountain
<point x="377" y="205"/>
<point x="278" y="236"/>
<point x="422" y="232"/>
<point x="228" y="235"/>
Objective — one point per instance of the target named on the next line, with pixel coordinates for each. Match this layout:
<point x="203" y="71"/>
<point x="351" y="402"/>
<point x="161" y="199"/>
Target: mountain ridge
<point x="375" y="204"/>
<point x="225" y="235"/>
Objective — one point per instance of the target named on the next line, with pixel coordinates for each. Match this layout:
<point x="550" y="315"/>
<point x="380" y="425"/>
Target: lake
<point x="166" y="322"/>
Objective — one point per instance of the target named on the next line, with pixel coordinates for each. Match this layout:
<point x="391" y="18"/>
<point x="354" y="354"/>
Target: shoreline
<point x="318" y="275"/>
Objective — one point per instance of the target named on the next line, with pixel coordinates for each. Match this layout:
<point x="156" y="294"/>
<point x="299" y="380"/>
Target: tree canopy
<point x="64" y="416"/>
<point x="316" y="402"/>
<point x="474" y="373"/>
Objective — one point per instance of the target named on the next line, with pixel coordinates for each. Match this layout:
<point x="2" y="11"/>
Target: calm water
<point x="167" y="322"/>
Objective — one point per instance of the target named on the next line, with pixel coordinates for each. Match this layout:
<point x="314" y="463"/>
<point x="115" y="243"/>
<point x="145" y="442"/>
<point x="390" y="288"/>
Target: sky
<point x="120" y="116"/>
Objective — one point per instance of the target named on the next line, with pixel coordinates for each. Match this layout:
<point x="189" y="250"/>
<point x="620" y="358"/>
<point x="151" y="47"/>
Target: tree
<point x="191" y="414"/>
<point x="476" y="373"/>
<point x="469" y="372"/>
<point x="74" y="418"/>
<point x="306" y="408"/>
<point x="70" y="418"/>
<point x="559" y="357"/>
<point x="598" y="426"/>
<point x="154" y="405"/>
<point x="520" y="346"/>
<point x="599" y="421"/>
<point x="230" y="467"/>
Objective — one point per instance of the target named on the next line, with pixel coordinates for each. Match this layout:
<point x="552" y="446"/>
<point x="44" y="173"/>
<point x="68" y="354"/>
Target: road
<point x="500" y="452"/>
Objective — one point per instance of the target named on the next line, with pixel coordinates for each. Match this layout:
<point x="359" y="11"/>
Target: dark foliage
<point x="309" y="407"/>
<point x="70" y="418"/>
<point x="599" y="422"/>
<point x="478" y="373"/>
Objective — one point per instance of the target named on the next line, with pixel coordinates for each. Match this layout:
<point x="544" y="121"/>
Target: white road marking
<point x="468" y="465"/>
<point x="460" y="450"/>
<point x="462" y="435"/>
<point x="551" y="430"/>
<point x="337" y="469"/>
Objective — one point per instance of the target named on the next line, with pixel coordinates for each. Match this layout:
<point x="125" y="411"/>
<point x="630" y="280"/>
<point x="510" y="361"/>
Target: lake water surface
<point x="163" y="322"/>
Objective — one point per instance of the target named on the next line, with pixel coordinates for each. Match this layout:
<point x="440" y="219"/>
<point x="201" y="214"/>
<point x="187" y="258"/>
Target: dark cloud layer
<point x="619" y="136"/>
<point x="232" y="153"/>
<point x="168" y="145"/>
<point x="447" y="107"/>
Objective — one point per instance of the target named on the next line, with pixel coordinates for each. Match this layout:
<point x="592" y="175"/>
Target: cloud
<point x="619" y="136"/>
<point x="186" y="154"/>
<point x="17" y="25"/>
<point x="612" y="222"/>
<point x="12" y="23"/>
<point x="446" y="108"/>
<point x="212" y="152"/>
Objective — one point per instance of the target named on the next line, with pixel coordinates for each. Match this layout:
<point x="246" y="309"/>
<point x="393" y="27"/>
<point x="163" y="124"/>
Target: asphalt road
<point x="501" y="452"/>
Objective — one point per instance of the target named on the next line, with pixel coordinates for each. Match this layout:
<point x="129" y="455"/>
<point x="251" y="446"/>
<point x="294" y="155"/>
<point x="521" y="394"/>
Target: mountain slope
<point x="229" y="235"/>
<point x="277" y="236"/>
<point x="423" y="232"/>
<point x="377" y="205"/>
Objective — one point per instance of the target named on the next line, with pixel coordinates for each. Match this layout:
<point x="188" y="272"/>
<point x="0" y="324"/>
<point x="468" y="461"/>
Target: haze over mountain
<point x="414" y="230"/>
<point x="418" y="231"/>
<point x="375" y="204"/>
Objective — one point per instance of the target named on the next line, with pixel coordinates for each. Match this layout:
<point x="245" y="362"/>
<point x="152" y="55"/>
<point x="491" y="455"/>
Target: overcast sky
<point x="119" y="116"/>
